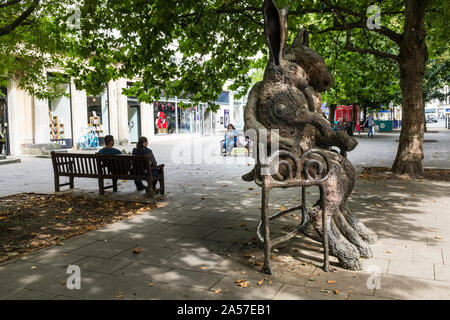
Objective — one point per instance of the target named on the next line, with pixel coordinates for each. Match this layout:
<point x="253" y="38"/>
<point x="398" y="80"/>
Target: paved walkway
<point x="204" y="239"/>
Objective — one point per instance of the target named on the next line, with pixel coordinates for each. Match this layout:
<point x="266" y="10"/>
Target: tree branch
<point x="8" y="3"/>
<point x="20" y="20"/>
<point x="350" y="47"/>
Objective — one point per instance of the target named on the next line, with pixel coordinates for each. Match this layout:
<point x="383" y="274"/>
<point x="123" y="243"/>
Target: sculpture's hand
<point x="345" y="142"/>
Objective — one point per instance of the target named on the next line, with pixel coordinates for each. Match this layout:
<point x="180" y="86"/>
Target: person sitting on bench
<point x="109" y="146"/>
<point x="141" y="149"/>
<point x="109" y="149"/>
<point x="230" y="139"/>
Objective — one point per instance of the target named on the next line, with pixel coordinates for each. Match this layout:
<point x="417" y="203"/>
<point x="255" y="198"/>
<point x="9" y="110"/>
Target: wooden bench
<point x="101" y="167"/>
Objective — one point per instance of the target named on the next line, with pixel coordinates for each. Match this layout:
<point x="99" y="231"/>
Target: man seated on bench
<point x="109" y="149"/>
<point x="109" y="146"/>
<point x="141" y="149"/>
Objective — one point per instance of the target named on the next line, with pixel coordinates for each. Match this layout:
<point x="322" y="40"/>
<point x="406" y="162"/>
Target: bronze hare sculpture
<point x="288" y="99"/>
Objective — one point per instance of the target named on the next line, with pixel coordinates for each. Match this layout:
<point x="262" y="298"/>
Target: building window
<point x="3" y="122"/>
<point x="224" y="97"/>
<point x="165" y="117"/>
<point x="98" y="114"/>
<point x="185" y="120"/>
<point x="60" y="113"/>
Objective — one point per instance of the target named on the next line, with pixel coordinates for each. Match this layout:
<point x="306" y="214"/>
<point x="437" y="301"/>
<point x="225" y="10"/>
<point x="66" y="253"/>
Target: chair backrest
<point x="75" y="164"/>
<point x="123" y="166"/>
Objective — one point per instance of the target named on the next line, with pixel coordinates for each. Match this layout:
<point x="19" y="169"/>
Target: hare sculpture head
<point x="297" y="65"/>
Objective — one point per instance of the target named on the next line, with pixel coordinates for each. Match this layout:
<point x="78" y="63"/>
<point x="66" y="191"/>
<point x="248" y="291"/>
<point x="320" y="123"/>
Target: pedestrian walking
<point x="371" y="124"/>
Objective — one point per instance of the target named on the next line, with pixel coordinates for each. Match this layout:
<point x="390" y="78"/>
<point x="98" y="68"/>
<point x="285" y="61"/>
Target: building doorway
<point x="4" y="136"/>
<point x="134" y="123"/>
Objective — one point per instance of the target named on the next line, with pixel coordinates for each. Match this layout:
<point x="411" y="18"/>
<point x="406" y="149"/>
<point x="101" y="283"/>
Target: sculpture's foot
<point x="266" y="269"/>
<point x="347" y="241"/>
<point x="249" y="176"/>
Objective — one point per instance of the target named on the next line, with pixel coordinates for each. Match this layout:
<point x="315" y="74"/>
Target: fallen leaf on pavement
<point x="331" y="281"/>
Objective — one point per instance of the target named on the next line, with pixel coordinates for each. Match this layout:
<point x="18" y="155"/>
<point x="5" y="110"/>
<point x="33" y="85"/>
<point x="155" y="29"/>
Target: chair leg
<point x="162" y="188"/>
<point x="115" y="185"/>
<point x="101" y="186"/>
<point x="265" y="218"/>
<point x="149" y="188"/>
<point x="325" y="220"/>
<point x="71" y="179"/>
<point x="56" y="183"/>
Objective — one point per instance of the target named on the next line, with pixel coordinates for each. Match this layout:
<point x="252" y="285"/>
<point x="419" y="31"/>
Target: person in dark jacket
<point x="109" y="146"/>
<point x="141" y="149"/>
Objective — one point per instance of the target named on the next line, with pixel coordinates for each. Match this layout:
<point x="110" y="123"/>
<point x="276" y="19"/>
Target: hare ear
<point x="275" y="29"/>
<point x="302" y="38"/>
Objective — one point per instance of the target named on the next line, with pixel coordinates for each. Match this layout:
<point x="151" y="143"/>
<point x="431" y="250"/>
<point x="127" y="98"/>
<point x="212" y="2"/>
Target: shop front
<point x="134" y="120"/>
<point x="165" y="115"/>
<point x="4" y="138"/>
<point x="170" y="118"/>
<point x="60" y="116"/>
<point x="98" y="115"/>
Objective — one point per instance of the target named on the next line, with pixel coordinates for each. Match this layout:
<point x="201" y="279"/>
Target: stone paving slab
<point x="101" y="265"/>
<point x="188" y="231"/>
<point x="421" y="270"/>
<point x="442" y="272"/>
<point x="23" y="273"/>
<point x="94" y="286"/>
<point x="13" y="293"/>
<point x="194" y="279"/>
<point x="147" y="239"/>
<point x="290" y="292"/>
<point x="201" y="245"/>
<point x="232" y="235"/>
<point x="54" y="257"/>
<point x="147" y="254"/>
<point x="142" y="271"/>
<point x="104" y="249"/>
<point x="238" y="269"/>
<point x="426" y="254"/>
<point x="231" y="291"/>
<point x="400" y="287"/>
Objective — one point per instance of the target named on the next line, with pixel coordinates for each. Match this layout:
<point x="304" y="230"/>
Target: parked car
<point x="431" y="120"/>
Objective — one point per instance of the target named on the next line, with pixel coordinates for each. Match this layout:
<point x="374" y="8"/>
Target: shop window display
<point x="3" y="123"/>
<point x="165" y="117"/>
<point x="60" y="116"/>
<point x="98" y="115"/>
<point x="184" y="120"/>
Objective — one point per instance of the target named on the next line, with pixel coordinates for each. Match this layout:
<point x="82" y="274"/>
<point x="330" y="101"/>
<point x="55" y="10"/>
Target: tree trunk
<point x="412" y="59"/>
<point x="331" y="114"/>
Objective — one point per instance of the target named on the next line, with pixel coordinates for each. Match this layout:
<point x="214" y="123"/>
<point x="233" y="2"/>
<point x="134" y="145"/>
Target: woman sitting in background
<point x="230" y="138"/>
<point x="142" y="150"/>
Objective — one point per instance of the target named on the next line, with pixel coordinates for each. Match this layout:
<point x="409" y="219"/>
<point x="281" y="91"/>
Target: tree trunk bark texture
<point x="412" y="59"/>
